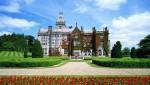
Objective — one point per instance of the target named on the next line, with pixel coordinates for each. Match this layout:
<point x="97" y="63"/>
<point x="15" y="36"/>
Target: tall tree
<point x="93" y="41"/>
<point x="116" y="50"/>
<point x="30" y="41"/>
<point x="113" y="51"/>
<point x="145" y="43"/>
<point x="133" y="52"/>
<point x="37" y="51"/>
<point x="72" y="47"/>
<point x="144" y="48"/>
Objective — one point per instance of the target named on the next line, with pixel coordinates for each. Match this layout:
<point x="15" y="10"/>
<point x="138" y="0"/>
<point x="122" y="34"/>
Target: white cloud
<point x="88" y="5"/>
<point x="130" y="30"/>
<point x="109" y="4"/>
<point x="12" y="7"/>
<point x="4" y="32"/>
<point x="10" y="22"/>
<point x="81" y="8"/>
<point x="15" y="5"/>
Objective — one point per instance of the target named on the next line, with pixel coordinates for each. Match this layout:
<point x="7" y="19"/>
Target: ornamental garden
<point x="25" y="51"/>
<point x="18" y="50"/>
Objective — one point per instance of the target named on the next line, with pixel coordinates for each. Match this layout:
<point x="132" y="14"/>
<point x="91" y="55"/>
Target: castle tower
<point x="60" y="22"/>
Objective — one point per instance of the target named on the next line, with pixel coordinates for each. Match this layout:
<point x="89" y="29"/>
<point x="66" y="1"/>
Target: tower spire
<point x="76" y="24"/>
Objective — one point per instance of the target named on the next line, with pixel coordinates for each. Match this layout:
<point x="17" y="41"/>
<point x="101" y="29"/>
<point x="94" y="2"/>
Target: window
<point x="65" y="51"/>
<point x="76" y="43"/>
<point x="53" y="42"/>
<point x="101" y="37"/>
<point x="101" y="43"/>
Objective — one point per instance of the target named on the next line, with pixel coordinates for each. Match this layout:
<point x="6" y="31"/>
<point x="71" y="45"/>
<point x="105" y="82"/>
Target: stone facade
<point x="80" y="42"/>
<point x="59" y="41"/>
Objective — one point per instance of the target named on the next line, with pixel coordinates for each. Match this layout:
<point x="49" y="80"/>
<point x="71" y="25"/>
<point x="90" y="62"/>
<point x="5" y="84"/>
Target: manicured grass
<point x="10" y="54"/>
<point x="15" y="59"/>
<point x="122" y="62"/>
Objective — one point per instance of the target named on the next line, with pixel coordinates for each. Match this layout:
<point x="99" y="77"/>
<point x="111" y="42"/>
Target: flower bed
<point x="71" y="80"/>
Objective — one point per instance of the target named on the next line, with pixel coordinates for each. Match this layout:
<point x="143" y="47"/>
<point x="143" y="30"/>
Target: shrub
<point x="29" y="62"/>
<point x="87" y="58"/>
<point x="130" y="63"/>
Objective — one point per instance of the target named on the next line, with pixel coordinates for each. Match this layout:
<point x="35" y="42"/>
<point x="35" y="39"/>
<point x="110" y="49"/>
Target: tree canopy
<point x="126" y="52"/>
<point x="16" y="42"/>
<point x="144" y="48"/>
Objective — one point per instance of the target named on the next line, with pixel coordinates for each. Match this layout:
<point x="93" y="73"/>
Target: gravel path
<point x="73" y="68"/>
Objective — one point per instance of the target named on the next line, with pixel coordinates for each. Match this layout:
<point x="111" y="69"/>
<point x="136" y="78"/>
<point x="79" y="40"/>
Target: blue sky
<point x="127" y="20"/>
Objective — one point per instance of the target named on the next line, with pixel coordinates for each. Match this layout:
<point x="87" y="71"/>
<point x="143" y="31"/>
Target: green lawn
<point x="125" y="62"/>
<point x="10" y="54"/>
<point x="16" y="59"/>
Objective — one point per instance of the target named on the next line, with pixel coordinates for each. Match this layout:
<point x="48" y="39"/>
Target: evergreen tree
<point x="25" y="54"/>
<point x="144" y="48"/>
<point x="116" y="50"/>
<point x="94" y="42"/>
<point x="119" y="46"/>
<point x="113" y="51"/>
<point x="30" y="42"/>
<point x="126" y="52"/>
<point x="133" y="52"/>
<point x="37" y="51"/>
<point x="72" y="47"/>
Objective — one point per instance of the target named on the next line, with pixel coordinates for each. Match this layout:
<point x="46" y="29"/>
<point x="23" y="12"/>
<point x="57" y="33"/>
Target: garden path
<point x="74" y="68"/>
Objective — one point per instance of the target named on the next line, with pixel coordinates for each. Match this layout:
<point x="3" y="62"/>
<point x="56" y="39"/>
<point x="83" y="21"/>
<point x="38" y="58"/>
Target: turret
<point x="60" y="23"/>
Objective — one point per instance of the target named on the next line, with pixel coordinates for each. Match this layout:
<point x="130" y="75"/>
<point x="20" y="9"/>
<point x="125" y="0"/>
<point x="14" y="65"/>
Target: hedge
<point x="131" y="63"/>
<point x="29" y="63"/>
<point x="87" y="58"/>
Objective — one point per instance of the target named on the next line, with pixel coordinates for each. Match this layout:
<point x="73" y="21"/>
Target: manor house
<point x="60" y="40"/>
